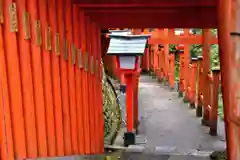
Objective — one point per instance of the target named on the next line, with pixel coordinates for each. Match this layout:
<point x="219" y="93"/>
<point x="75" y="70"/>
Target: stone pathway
<point x="167" y="122"/>
<point x="169" y="129"/>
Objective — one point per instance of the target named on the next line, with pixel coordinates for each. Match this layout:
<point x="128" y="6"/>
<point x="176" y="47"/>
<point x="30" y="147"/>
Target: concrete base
<point x="192" y="105"/>
<point x="160" y="80"/>
<point x="185" y="100"/>
<point x="180" y="94"/>
<point x="150" y="73"/>
<point x="166" y="83"/>
<point x="145" y="72"/>
<point x="154" y="77"/>
<point x="204" y="122"/>
<point x="176" y="86"/>
<point x="129" y="139"/>
<point x="213" y="132"/>
<point x="199" y="111"/>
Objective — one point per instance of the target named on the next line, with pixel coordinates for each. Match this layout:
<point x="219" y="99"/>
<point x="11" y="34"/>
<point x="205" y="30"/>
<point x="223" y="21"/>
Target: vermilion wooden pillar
<point x="229" y="64"/>
<point x="150" y="57"/>
<point x="145" y="61"/>
<point x="70" y="55"/>
<point x="151" y="53"/>
<point x="55" y="57"/>
<point x="188" y="87"/>
<point x="192" y="92"/>
<point x="181" y="73"/>
<point x="64" y="77"/>
<point x="100" y="107"/>
<point x="27" y="89"/>
<point x="206" y="71"/>
<point x="37" y="76"/>
<point x="95" y="95"/>
<point x="90" y="83"/>
<point x="186" y="66"/>
<point x="166" y="53"/>
<point x="147" y="58"/>
<point x="172" y="70"/>
<point x="155" y="59"/>
<point x="158" y="71"/>
<point x="85" y="82"/>
<point x="158" y="61"/>
<point x="162" y="63"/>
<point x="46" y="63"/>
<point x="200" y="87"/>
<point x="11" y="92"/>
<point x="70" y="78"/>
<point x="62" y="66"/>
<point x="78" y="80"/>
<point x="214" y="101"/>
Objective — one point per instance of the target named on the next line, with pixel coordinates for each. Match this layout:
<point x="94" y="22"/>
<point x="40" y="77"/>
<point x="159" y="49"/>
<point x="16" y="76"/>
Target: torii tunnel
<point x="50" y="68"/>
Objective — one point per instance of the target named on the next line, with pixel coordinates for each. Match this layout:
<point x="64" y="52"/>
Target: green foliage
<point x="197" y="31"/>
<point x="214" y="56"/>
<point x="177" y="67"/>
<point x="214" y="53"/>
<point x="172" y="48"/>
<point x="111" y="108"/>
<point x="196" y="50"/>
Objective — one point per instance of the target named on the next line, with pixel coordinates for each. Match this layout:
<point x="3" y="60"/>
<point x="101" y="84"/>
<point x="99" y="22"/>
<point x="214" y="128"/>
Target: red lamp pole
<point x="129" y="101"/>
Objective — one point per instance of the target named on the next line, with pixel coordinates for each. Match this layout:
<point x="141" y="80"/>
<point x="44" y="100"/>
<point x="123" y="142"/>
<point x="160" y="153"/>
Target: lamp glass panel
<point x="127" y="62"/>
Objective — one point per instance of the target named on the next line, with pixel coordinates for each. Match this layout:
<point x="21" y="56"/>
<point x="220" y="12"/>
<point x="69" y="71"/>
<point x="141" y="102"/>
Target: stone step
<point x="139" y="156"/>
<point x="160" y="151"/>
<point x="168" y="150"/>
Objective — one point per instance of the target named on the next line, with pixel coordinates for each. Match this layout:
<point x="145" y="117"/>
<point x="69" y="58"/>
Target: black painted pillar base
<point x="213" y="132"/>
<point x="129" y="139"/>
<point x="180" y="94"/>
<point x="199" y="111"/>
<point x="185" y="100"/>
<point x="192" y="105"/>
<point x="205" y="122"/>
<point x="151" y="73"/>
<point x="154" y="76"/>
<point x="165" y="82"/>
<point x="160" y="80"/>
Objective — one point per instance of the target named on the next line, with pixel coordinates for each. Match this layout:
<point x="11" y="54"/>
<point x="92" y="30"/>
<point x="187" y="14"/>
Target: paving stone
<point x="167" y="121"/>
<point x="135" y="148"/>
<point x="165" y="150"/>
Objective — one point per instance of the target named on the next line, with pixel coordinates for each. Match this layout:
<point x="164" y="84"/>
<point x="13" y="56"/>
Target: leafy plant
<point x="172" y="48"/>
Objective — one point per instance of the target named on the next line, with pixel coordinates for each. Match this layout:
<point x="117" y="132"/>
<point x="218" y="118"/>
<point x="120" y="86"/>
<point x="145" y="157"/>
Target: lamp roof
<point x="128" y="45"/>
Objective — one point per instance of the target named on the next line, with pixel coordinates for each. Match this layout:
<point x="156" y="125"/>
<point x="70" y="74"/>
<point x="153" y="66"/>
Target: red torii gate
<point x="177" y="14"/>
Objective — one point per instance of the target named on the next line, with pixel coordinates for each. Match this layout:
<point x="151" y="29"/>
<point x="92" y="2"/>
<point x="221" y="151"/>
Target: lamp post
<point x="128" y="49"/>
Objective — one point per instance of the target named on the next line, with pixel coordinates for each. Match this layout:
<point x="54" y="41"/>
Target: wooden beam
<point x="143" y="2"/>
<point x="148" y="9"/>
<point x="188" y="18"/>
<point x="194" y="39"/>
<point x="141" y="5"/>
